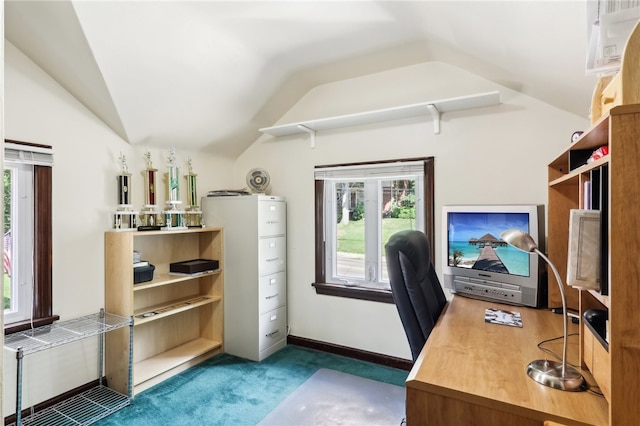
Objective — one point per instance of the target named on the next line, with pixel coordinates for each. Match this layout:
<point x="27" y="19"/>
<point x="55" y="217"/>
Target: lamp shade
<point x="520" y="240"/>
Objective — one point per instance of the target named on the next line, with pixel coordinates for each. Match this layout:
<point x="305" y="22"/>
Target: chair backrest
<point x="415" y="287"/>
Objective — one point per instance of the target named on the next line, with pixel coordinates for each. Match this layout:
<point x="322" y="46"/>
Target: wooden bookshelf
<point x="617" y="367"/>
<point x="178" y="319"/>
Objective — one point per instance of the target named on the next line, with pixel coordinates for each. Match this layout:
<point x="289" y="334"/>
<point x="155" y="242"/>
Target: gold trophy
<point x="173" y="216"/>
<point x="193" y="214"/>
<point x="150" y="218"/>
<point x="125" y="217"/>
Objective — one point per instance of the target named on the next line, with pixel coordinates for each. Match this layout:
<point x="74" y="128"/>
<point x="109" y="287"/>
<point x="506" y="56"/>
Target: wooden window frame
<point x="43" y="250"/>
<point x="376" y="295"/>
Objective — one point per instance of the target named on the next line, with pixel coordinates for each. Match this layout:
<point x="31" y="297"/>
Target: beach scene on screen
<point x="474" y="242"/>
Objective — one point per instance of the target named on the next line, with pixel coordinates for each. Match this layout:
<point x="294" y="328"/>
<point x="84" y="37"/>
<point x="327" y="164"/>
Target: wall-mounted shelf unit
<point x="433" y="108"/>
<point x="92" y="405"/>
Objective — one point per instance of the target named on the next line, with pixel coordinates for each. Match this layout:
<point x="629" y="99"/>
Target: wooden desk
<point x="473" y="373"/>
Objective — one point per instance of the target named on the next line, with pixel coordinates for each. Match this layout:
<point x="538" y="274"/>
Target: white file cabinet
<point x="255" y="289"/>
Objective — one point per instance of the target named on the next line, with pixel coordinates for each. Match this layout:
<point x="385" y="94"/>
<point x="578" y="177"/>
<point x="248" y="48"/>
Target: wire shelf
<point x="83" y="409"/>
<point x="60" y="333"/>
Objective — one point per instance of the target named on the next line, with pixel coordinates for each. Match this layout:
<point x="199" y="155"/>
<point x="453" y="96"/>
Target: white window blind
<point x="371" y="171"/>
<point x="28" y="154"/>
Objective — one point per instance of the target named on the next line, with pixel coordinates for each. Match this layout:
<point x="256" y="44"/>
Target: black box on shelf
<point x="194" y="266"/>
<point x="596" y="321"/>
<point x="143" y="274"/>
<point x="578" y="158"/>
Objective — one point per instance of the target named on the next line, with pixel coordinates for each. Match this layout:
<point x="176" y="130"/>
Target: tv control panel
<point x="483" y="289"/>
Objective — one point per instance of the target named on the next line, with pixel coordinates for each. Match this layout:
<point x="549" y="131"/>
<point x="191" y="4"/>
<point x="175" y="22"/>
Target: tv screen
<point x="473" y="240"/>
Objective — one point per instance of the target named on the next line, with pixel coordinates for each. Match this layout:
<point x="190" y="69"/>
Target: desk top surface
<point x="483" y="363"/>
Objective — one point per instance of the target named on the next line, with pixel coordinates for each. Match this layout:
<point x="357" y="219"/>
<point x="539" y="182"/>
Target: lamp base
<point x="549" y="373"/>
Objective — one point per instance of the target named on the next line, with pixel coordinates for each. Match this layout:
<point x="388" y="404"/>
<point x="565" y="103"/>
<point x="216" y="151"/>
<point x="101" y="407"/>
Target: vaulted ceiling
<point x="209" y="74"/>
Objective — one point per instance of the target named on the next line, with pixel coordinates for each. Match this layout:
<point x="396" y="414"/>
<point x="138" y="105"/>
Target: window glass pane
<point x="7" y="241"/>
<point x="17" y="242"/>
<point x="350" y="230"/>
<point x="398" y="213"/>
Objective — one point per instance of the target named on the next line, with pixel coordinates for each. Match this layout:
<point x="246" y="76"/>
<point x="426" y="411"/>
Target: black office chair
<point x="415" y="287"/>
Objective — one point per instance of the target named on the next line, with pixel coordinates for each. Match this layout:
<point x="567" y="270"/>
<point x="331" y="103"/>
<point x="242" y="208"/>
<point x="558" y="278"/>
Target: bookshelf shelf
<point x="157" y="312"/>
<point x="150" y="368"/>
<point x="574" y="174"/>
<point x="605" y="300"/>
<point x="167" y="279"/>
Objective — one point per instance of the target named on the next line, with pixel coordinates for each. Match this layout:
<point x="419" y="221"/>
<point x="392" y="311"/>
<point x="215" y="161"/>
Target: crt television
<point x="478" y="263"/>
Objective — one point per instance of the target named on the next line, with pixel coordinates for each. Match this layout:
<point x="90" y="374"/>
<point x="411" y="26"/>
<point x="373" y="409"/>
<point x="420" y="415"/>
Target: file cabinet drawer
<point x="272" y="218"/>
<point x="273" y="327"/>
<point x="273" y="291"/>
<point x="272" y="253"/>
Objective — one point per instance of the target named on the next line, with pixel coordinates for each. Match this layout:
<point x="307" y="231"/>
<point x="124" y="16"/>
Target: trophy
<point x="173" y="216"/>
<point x="125" y="217"/>
<point x="193" y="214"/>
<point x="150" y="217"/>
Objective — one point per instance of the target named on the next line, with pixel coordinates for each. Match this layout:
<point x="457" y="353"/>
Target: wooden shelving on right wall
<point x="614" y="362"/>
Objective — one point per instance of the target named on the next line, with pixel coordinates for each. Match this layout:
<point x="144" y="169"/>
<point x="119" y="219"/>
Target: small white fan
<point x="258" y="181"/>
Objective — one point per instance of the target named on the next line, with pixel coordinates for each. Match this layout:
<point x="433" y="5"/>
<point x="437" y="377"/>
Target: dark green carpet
<point x="227" y="390"/>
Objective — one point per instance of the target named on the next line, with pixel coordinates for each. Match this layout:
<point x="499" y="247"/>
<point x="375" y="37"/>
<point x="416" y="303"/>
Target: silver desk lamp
<point x="557" y="375"/>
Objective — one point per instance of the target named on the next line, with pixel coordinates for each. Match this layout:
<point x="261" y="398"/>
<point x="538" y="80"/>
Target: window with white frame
<point x="27" y="235"/>
<point x="18" y="241"/>
<point x="358" y="207"/>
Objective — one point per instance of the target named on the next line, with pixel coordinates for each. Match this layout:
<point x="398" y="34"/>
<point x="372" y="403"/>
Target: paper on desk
<point x="501" y="316"/>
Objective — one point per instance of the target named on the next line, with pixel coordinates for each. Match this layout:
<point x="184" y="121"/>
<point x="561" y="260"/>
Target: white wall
<point x="492" y="155"/>
<point x="86" y="155"/>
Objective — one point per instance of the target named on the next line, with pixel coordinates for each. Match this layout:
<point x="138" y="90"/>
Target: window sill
<point x="15" y="327"/>
<point x="362" y="293"/>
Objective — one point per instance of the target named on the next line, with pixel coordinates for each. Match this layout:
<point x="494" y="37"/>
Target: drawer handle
<point x="271" y="297"/>
<point x="273" y="333"/>
<point x="271" y="222"/>
<point x="273" y="259"/>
